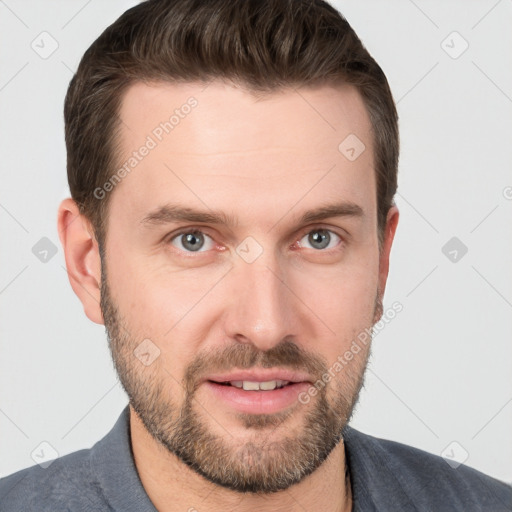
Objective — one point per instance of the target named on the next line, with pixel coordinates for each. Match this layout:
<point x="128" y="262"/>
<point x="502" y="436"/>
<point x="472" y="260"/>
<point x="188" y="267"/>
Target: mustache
<point x="286" y="354"/>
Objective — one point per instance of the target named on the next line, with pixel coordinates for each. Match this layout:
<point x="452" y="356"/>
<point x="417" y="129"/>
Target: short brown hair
<point x="263" y="45"/>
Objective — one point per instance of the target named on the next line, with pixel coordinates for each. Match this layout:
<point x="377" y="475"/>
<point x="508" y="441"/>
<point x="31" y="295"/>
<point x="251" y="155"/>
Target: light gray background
<point x="440" y="371"/>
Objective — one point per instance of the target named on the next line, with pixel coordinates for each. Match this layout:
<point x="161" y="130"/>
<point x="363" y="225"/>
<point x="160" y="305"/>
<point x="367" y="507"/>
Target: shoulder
<point x="101" y="478"/>
<point x="392" y="470"/>
<point x="68" y="483"/>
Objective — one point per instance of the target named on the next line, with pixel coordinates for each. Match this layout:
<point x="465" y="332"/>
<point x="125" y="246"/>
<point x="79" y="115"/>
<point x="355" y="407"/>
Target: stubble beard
<point x="273" y="457"/>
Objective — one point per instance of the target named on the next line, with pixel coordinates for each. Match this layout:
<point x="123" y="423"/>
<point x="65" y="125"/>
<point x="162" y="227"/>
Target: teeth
<point x="271" y="384"/>
<point x="268" y="385"/>
<point x="251" y="386"/>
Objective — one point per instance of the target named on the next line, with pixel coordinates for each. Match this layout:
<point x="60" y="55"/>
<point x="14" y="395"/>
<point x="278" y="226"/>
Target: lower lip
<point x="258" y="402"/>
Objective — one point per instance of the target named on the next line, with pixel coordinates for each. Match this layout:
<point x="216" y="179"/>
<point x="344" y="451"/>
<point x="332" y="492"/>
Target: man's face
<point x="267" y="295"/>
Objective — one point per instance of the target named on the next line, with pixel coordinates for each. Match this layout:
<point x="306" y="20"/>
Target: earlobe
<point x="82" y="256"/>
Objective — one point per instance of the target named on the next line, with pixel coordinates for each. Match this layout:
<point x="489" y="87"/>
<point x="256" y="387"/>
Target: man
<point x="232" y="166"/>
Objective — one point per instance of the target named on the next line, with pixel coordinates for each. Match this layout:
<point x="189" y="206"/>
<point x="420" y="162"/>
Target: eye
<point x="320" y="239"/>
<point x="192" y="241"/>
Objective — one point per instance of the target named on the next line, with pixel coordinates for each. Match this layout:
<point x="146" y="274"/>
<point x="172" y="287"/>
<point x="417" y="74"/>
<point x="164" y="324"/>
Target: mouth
<point x="265" y="376"/>
<point x="262" y="392"/>
<point x="248" y="385"/>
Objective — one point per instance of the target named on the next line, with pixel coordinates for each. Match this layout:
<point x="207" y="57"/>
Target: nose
<point x="263" y="310"/>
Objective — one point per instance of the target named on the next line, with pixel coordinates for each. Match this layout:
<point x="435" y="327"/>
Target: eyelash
<point x="192" y="230"/>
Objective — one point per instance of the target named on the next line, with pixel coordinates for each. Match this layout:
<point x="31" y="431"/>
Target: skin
<point x="264" y="161"/>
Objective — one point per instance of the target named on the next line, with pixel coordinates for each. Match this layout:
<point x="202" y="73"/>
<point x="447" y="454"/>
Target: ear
<point x="82" y="255"/>
<point x="389" y="235"/>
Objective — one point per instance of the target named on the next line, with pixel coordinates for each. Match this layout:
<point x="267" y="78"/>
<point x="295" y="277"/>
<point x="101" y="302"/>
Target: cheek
<point x="343" y="299"/>
<point x="172" y="309"/>
<point x="345" y="295"/>
<point x="154" y="298"/>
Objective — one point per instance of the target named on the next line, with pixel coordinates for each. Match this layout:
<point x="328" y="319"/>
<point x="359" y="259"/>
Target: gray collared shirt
<point x="385" y="476"/>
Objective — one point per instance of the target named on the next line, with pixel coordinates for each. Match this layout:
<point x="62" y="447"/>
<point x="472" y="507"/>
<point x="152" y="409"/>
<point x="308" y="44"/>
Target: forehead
<point x="219" y="146"/>
<point x="239" y="119"/>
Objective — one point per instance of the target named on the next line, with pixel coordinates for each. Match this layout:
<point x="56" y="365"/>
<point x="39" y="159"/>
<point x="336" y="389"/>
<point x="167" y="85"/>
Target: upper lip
<point x="260" y="375"/>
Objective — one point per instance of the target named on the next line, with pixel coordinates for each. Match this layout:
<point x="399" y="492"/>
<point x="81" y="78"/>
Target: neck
<point x="172" y="486"/>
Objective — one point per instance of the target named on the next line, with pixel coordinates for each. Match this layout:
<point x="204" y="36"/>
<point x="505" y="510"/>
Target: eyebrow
<point x="169" y="213"/>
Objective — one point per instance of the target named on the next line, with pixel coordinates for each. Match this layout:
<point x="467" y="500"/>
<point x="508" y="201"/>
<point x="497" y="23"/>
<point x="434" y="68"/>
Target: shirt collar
<point x="372" y="479"/>
<point x="113" y="462"/>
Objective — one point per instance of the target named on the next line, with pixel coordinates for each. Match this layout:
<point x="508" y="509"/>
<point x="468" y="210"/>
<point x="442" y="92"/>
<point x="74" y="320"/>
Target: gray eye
<point x="319" y="239"/>
<point x="192" y="241"/>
